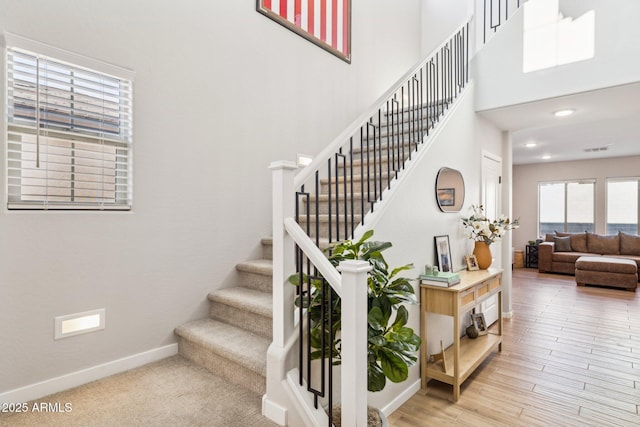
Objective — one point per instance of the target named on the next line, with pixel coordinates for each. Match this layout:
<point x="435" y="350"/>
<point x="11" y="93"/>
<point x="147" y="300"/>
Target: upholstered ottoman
<point x="605" y="271"/>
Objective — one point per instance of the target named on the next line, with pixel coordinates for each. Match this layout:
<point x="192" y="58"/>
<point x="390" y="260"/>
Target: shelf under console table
<point x="466" y="354"/>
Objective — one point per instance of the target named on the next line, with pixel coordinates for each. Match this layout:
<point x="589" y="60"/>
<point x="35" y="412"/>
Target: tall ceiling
<point x="606" y="123"/>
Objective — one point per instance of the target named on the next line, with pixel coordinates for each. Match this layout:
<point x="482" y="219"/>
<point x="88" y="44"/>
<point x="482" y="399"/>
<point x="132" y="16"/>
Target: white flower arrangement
<point x="480" y="229"/>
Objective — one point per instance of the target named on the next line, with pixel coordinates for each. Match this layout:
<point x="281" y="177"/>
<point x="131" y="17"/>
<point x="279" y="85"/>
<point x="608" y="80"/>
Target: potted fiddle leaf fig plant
<point x="391" y="344"/>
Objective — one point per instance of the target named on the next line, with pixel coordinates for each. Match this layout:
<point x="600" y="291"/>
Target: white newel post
<point x="354" y="342"/>
<point x="273" y="405"/>
<point x="283" y="250"/>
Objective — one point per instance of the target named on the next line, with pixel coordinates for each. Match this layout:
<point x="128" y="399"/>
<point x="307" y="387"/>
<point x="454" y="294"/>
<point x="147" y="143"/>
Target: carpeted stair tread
<point x="246" y="299"/>
<point x="258" y="266"/>
<point x="238" y="345"/>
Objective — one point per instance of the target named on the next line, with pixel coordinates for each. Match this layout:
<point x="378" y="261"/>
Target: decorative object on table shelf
<point x="440" y="357"/>
<point x="472" y="262"/>
<point x="431" y="270"/>
<point x="443" y="253"/>
<point x="443" y="280"/>
<point x="472" y="331"/>
<point x="479" y="323"/>
<point x="391" y="343"/>
<point x="531" y="242"/>
<point x="483" y="255"/>
<point x="484" y="232"/>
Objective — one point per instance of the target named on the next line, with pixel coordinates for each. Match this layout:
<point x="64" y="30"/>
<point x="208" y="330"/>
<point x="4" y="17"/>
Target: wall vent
<point x="596" y="149"/>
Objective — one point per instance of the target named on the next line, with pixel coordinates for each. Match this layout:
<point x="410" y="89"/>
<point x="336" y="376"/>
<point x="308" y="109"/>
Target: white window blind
<point x="69" y="135"/>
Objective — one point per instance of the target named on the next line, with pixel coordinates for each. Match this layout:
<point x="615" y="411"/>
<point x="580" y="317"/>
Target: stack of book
<point x="443" y="280"/>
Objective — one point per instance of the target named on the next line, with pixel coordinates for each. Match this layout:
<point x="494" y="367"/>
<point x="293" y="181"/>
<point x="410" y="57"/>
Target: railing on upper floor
<point x="496" y="13"/>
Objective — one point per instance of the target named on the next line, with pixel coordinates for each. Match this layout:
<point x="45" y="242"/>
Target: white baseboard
<point x="401" y="398"/>
<point x="507" y="315"/>
<point x="75" y="379"/>
<point x="273" y="411"/>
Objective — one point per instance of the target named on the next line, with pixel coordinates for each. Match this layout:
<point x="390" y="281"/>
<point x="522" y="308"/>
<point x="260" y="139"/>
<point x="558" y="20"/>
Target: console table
<point x="466" y="354"/>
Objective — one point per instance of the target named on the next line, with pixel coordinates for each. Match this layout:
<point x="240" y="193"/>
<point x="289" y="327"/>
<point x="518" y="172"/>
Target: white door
<point x="491" y="190"/>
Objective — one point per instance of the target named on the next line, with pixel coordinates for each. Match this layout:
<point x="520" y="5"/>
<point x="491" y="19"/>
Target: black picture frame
<point x="443" y="253"/>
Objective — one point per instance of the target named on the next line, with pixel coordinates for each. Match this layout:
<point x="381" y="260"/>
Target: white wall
<point x="501" y="81"/>
<point x="527" y="177"/>
<point x="220" y="92"/>
<point x="440" y="19"/>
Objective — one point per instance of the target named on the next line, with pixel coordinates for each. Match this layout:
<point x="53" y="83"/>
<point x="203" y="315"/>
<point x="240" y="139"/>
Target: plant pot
<point x="483" y="254"/>
<point x="375" y="417"/>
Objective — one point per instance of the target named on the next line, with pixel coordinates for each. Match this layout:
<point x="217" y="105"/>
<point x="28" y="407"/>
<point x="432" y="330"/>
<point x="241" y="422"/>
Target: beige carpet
<point x="171" y="392"/>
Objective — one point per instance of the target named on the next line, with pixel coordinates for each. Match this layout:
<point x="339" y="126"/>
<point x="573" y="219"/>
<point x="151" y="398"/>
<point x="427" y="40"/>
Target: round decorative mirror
<point x="449" y="190"/>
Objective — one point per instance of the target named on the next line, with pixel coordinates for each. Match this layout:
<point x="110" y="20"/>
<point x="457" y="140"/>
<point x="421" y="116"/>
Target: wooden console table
<point x="465" y="355"/>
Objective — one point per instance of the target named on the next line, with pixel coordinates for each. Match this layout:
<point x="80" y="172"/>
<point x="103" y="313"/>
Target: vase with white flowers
<point x="484" y="232"/>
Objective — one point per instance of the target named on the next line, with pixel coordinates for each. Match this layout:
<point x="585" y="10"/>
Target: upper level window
<point x="567" y="206"/>
<point x="69" y="132"/>
<point x="622" y="205"/>
<point x="551" y="39"/>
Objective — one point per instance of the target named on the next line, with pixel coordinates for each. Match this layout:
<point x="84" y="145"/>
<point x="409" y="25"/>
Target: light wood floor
<point x="570" y="357"/>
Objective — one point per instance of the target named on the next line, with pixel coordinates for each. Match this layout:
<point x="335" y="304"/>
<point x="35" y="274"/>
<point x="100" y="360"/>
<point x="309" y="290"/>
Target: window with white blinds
<point x="69" y="135"/>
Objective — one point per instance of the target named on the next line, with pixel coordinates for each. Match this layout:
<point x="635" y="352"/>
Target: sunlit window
<point x="567" y="206"/>
<point x="622" y="205"/>
<point x="550" y="39"/>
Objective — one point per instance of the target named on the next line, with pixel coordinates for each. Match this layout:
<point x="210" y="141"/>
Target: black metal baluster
<point x="330" y="367"/>
<point x="402" y="121"/>
<point x="368" y="177"/>
<point x="329" y="204"/>
<point x="353" y="226"/>
<point x="317" y="207"/>
<point x="361" y="172"/>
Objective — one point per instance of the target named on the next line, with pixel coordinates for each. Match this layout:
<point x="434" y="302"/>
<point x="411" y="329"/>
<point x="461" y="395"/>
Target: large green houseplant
<point x="391" y="344"/>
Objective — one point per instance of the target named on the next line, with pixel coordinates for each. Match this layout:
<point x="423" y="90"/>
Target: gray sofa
<point x="560" y="251"/>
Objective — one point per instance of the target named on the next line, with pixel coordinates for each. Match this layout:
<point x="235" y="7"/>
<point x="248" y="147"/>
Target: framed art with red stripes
<point x="327" y="23"/>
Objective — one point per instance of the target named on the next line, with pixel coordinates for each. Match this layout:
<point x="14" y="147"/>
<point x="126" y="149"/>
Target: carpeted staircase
<point x="232" y="342"/>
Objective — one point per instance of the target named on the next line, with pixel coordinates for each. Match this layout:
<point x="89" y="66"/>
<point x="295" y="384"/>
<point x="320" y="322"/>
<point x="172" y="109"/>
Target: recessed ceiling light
<point x="530" y="145"/>
<point x="564" y="113"/>
<point x="546" y="157"/>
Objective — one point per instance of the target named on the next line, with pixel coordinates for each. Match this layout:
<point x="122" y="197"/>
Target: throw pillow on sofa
<point x="578" y="241"/>
<point x="629" y="244"/>
<point x="562" y="244"/>
<point x="604" y="245"/>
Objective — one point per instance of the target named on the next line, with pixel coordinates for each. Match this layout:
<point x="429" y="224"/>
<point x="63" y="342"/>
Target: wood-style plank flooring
<point x="570" y="357"/>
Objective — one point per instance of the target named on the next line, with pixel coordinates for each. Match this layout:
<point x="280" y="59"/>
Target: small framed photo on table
<point x="443" y="253"/>
<point x="472" y="262"/>
<point x="479" y="323"/>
